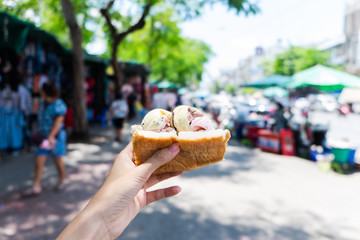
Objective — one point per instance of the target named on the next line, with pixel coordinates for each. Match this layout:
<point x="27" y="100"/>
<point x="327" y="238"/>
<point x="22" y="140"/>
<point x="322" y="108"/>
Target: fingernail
<point x="174" y="147"/>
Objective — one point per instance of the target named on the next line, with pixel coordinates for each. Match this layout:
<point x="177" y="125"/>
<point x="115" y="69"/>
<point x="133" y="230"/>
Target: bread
<point x="197" y="149"/>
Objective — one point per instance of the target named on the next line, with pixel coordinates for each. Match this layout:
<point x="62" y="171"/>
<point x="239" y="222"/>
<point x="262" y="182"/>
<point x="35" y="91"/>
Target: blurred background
<point x="282" y="76"/>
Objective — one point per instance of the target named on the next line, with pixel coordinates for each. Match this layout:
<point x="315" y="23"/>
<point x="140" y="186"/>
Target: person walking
<point x="160" y="100"/>
<point x="119" y="111"/>
<point x="50" y="138"/>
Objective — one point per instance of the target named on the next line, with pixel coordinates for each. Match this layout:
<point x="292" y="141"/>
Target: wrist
<point x="88" y="224"/>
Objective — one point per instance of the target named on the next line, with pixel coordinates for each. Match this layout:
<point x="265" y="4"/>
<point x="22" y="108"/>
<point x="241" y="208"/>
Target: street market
<point x="98" y="100"/>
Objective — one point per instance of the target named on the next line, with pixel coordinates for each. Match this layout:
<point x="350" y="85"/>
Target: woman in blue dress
<point x="51" y="118"/>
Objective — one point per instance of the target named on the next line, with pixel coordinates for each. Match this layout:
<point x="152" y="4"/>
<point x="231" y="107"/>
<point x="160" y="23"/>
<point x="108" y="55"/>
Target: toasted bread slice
<point x="197" y="149"/>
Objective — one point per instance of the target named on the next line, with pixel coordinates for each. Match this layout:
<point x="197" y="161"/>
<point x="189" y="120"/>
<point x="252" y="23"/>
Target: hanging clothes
<point x="8" y="95"/>
<point x="25" y="100"/>
<point x="11" y="128"/>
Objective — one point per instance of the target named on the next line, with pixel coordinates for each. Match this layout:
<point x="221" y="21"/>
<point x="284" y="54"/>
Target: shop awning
<point x="14" y="32"/>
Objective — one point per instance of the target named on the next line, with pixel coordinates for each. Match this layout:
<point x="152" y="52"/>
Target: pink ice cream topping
<point x="200" y="123"/>
<point x="167" y="121"/>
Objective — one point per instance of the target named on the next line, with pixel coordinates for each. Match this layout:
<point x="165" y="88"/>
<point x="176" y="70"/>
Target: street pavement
<point x="250" y="195"/>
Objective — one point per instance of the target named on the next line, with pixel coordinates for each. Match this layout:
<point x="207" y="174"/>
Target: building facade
<point x="352" y="36"/>
<point x="251" y="68"/>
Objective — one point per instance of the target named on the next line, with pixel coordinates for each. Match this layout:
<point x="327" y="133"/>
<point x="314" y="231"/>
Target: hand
<point x="122" y="196"/>
<point x="52" y="141"/>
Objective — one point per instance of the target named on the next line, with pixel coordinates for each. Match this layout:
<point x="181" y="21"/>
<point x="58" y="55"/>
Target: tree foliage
<point x="120" y="25"/>
<point x="296" y="59"/>
<point x="193" y="8"/>
<point x="170" y="55"/>
<point x="47" y="15"/>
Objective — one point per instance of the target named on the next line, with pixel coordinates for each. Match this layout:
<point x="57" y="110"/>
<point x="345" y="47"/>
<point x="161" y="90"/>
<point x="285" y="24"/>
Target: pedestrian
<point x="160" y="100"/>
<point x="279" y="116"/>
<point x="50" y="137"/>
<point x="171" y="100"/>
<point x="131" y="99"/>
<point x="119" y="111"/>
<point x="124" y="193"/>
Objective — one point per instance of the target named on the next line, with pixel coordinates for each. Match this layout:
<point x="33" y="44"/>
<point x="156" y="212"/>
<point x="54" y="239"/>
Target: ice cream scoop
<point x="187" y="118"/>
<point x="201" y="123"/>
<point x="156" y="120"/>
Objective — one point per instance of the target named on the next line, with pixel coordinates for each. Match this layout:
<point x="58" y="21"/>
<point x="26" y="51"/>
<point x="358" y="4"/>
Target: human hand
<point x="122" y="196"/>
<point x="48" y="143"/>
<point x="52" y="141"/>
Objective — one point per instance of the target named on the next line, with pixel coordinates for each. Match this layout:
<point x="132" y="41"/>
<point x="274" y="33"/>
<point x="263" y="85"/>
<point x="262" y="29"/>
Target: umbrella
<point x="166" y="84"/>
<point x="275" y="92"/>
<point x="324" y="78"/>
<point x="273" y="80"/>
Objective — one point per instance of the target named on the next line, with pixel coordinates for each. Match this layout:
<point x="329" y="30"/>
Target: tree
<point x="296" y="59"/>
<point x="161" y="46"/>
<point x="191" y="8"/>
<point x="117" y="37"/>
<point x="230" y="88"/>
<point x="80" y="120"/>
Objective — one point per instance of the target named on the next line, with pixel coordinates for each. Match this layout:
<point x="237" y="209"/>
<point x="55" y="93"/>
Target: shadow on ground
<point x="237" y="159"/>
<point x="45" y="216"/>
<point x="192" y="225"/>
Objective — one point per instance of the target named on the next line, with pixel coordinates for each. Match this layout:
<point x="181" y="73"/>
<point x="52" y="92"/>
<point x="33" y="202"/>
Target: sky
<point x="296" y="22"/>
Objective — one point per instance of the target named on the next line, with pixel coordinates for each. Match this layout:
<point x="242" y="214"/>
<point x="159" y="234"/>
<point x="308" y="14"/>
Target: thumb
<point x="160" y="158"/>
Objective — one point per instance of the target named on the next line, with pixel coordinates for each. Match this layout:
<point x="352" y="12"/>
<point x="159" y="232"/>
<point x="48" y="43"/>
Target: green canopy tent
<point x="182" y="91"/>
<point x="153" y="83"/>
<point x="270" y="81"/>
<point x="324" y="78"/>
<point x="166" y="85"/>
<point x="275" y="92"/>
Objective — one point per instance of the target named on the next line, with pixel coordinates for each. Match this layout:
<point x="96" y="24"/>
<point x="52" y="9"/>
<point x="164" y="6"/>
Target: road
<point x="250" y="195"/>
<point x="255" y="195"/>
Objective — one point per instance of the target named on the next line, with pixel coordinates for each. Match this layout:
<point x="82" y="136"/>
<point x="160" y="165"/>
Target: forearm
<point x="56" y="127"/>
<point x="86" y="225"/>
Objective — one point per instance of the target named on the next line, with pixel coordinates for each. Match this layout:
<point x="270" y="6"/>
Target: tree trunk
<point x="79" y="98"/>
<point x="115" y="64"/>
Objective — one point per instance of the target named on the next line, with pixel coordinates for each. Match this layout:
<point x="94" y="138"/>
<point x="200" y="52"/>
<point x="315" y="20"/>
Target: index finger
<point x="160" y="158"/>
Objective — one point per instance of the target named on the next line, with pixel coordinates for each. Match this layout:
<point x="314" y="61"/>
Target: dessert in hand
<point x="200" y="143"/>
